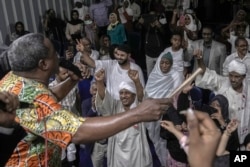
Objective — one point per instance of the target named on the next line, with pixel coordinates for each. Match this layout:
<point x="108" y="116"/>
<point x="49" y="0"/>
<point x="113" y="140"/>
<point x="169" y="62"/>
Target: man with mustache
<point x="130" y="146"/>
<point x="235" y="87"/>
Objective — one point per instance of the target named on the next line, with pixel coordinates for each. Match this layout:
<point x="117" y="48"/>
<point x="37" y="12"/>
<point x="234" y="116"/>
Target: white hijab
<point x="161" y="85"/>
<point x="192" y="25"/>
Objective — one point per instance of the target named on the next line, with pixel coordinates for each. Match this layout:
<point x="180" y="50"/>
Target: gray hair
<point x="25" y="52"/>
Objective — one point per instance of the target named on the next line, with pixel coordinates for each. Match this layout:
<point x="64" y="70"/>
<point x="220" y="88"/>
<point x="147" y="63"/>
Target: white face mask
<point x="87" y="22"/>
<point x="163" y="19"/>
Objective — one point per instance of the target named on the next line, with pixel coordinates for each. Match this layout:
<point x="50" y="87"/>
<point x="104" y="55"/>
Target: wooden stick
<point x="186" y="82"/>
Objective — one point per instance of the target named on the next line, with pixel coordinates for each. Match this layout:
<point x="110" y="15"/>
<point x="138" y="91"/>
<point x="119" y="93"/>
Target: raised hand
<point x="84" y="71"/>
<point x="198" y="54"/>
<point x="204" y="138"/>
<point x="133" y="74"/>
<point x="99" y="75"/>
<point x="79" y="46"/>
<point x="232" y="126"/>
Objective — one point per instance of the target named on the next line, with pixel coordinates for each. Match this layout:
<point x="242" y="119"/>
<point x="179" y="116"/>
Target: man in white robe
<point x="116" y="70"/>
<point x="130" y="147"/>
<point x="234" y="87"/>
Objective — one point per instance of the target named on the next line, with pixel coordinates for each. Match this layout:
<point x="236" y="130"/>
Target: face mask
<point x="87" y="22"/>
<point x="163" y="19"/>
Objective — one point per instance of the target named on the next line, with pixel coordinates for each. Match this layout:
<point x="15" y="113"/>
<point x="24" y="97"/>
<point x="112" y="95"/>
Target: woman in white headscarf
<point x="189" y="27"/>
<point x="125" y="13"/>
<point x="116" y="30"/>
<point x="187" y="23"/>
<point x="162" y="81"/>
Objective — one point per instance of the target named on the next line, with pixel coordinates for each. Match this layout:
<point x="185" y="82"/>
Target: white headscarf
<point x="238" y="67"/>
<point x="161" y="85"/>
<point x="192" y="25"/>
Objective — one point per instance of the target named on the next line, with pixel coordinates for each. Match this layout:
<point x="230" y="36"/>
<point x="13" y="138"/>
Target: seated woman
<point x="19" y="31"/>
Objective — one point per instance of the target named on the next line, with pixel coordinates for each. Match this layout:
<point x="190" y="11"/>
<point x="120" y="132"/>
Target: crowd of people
<point x="116" y="113"/>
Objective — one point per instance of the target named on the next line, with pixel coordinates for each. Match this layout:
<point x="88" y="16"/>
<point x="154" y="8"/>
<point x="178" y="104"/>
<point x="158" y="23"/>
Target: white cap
<point x="238" y="67"/>
<point x="130" y="86"/>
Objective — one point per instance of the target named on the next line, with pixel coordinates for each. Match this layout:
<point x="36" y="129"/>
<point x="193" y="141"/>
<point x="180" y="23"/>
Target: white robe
<point x="128" y="148"/>
<point x="160" y="85"/>
<point x="239" y="103"/>
<point x="115" y="75"/>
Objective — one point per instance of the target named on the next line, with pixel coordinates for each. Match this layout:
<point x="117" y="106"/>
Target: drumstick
<point x="186" y="82"/>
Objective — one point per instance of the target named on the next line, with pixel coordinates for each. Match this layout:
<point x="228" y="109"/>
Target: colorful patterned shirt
<point x="49" y="128"/>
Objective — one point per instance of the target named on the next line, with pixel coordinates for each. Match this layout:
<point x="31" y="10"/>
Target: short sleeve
<point x="48" y="120"/>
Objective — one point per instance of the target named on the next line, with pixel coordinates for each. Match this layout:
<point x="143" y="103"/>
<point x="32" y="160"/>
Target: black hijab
<point x="223" y="104"/>
<point x="233" y="143"/>
<point x="75" y="21"/>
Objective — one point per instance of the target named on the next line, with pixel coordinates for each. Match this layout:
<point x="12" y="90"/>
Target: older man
<point x="130" y="146"/>
<point x="234" y="87"/>
<point x="49" y="127"/>
<point x="241" y="55"/>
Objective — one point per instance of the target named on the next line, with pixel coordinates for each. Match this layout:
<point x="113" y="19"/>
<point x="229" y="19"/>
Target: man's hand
<point x="79" y="46"/>
<point x="152" y="109"/>
<point x="84" y="71"/>
<point x="8" y="113"/>
<point x="198" y="54"/>
<point x="99" y="75"/>
<point x="134" y="75"/>
<point x="203" y="139"/>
